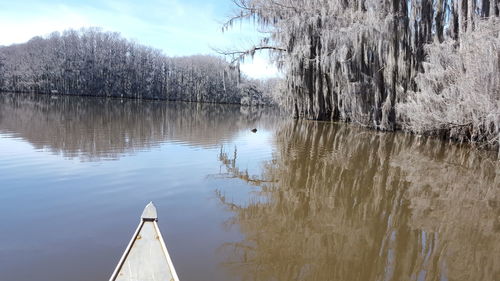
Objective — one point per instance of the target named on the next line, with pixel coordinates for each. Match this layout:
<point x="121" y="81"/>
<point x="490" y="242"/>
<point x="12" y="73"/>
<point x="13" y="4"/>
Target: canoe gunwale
<point x="127" y="251"/>
<point x="154" y="221"/>
<point x="165" y="251"/>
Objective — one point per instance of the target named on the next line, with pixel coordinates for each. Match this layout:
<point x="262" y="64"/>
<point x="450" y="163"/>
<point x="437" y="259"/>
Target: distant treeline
<point x="96" y="63"/>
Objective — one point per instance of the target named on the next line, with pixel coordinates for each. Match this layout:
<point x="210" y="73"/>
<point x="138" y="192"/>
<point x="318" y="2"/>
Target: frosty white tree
<point x="459" y="92"/>
<point x="356" y="60"/>
<point x="92" y="62"/>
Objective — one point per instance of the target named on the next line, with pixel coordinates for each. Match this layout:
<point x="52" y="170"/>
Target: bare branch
<point x="239" y="55"/>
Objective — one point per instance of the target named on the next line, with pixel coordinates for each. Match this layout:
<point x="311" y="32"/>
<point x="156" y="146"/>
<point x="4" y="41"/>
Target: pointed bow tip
<point x="149" y="213"/>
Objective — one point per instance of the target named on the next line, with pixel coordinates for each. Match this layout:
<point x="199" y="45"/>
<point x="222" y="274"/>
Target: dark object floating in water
<point x="254" y="130"/>
<point x="146" y="257"/>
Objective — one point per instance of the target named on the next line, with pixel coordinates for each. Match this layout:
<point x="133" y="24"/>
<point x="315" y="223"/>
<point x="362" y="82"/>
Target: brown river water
<point x="297" y="200"/>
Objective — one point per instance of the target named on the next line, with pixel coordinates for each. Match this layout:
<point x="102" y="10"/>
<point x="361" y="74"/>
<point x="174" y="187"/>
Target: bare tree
<point x="459" y="92"/>
<point x="356" y="60"/>
<point x="97" y="63"/>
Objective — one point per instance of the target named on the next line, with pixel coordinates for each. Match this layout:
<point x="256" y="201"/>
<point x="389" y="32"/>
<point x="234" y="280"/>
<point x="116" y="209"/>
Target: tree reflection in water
<point x="104" y="128"/>
<point x="344" y="203"/>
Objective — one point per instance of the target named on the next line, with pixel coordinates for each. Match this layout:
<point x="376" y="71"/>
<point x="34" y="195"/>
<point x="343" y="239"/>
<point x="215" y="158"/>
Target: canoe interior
<point x="146" y="258"/>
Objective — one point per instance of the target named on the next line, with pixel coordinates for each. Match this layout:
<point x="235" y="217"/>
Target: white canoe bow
<point x="146" y="257"/>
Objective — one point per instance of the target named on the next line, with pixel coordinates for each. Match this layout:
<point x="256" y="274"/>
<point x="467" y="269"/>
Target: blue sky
<point x="178" y="27"/>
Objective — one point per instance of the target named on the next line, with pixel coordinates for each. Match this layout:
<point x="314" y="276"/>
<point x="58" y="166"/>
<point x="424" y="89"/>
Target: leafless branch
<point x="238" y="55"/>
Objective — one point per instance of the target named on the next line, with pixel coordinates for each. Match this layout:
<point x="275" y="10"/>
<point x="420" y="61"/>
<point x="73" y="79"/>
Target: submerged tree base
<point x="430" y="66"/>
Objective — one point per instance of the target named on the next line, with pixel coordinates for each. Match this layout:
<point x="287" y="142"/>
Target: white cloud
<point x="259" y="67"/>
<point x="17" y="29"/>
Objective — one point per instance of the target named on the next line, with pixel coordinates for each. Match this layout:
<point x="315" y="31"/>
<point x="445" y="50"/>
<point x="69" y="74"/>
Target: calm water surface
<point x="298" y="200"/>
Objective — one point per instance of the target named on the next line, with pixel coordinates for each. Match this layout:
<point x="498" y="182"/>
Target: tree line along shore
<point x="430" y="67"/>
<point x="92" y="62"/>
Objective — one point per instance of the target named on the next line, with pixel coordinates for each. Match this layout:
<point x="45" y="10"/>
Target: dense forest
<point x="96" y="63"/>
<point x="427" y="66"/>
